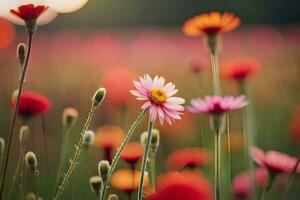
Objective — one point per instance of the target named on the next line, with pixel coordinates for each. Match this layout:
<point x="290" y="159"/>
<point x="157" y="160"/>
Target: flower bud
<point x="23" y="135"/>
<point x="113" y="197"/>
<point x="30" y="196"/>
<point x="69" y="117"/>
<point x="99" y="96"/>
<point x="88" y="138"/>
<point x="96" y="184"/>
<point x="155" y="139"/>
<point x="21" y="51"/>
<point x="31" y="160"/>
<point x="103" y="169"/>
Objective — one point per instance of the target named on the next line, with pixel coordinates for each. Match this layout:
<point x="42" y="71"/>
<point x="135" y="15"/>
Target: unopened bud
<point x="96" y="184"/>
<point x="103" y="169"/>
<point x="24" y="132"/>
<point x="155" y="138"/>
<point x="21" y="51"/>
<point x="113" y="197"/>
<point x="30" y="196"/>
<point x="69" y="117"/>
<point x="88" y="138"/>
<point x="31" y="160"/>
<point x="99" y="96"/>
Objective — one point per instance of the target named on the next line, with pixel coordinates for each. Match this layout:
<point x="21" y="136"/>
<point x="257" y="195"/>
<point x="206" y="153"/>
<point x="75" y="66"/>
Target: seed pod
<point x="113" y="197"/>
<point x="21" y="51"/>
<point x="31" y="160"/>
<point x="103" y="169"/>
<point x="96" y="184"/>
<point x="24" y="132"/>
<point x="88" y="138"/>
<point x="69" y="117"/>
<point x="99" y="96"/>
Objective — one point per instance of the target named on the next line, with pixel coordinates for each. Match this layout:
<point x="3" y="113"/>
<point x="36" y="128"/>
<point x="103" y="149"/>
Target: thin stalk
<point x="217" y="164"/>
<point x="45" y="143"/>
<point x="145" y="158"/>
<point x="73" y="161"/>
<point x="23" y="181"/>
<point x="268" y="187"/>
<point x="249" y="133"/>
<point x="153" y="170"/>
<point x="36" y="185"/>
<point x="228" y="146"/>
<point x="13" y="122"/>
<point x="290" y="181"/>
<point x="216" y="74"/>
<point x="19" y="166"/>
<point x="118" y="154"/>
<point x="63" y="153"/>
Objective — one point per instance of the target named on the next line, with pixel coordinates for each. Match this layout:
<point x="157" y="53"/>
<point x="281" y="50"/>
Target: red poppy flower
<point x="133" y="152"/>
<point x="189" y="157"/>
<point x="274" y="161"/>
<point x="242" y="182"/>
<point x="31" y="104"/>
<point x="29" y="12"/>
<point x="240" y="68"/>
<point x="179" y="186"/>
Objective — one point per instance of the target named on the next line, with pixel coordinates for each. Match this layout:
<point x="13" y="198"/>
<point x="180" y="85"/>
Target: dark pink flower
<point x="274" y="161"/>
<point x="217" y="105"/>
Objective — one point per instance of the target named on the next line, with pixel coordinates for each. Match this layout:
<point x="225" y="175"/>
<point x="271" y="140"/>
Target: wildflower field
<point x="204" y="107"/>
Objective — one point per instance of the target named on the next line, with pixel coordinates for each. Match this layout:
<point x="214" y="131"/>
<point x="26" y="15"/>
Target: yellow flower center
<point x="158" y="95"/>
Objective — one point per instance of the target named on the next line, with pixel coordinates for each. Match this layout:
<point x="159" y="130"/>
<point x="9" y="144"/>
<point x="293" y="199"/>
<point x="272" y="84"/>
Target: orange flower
<point x="127" y="180"/>
<point x="240" y="68"/>
<point x="187" y="186"/>
<point x="188" y="157"/>
<point x="109" y="136"/>
<point x="132" y="152"/>
<point x="210" y="24"/>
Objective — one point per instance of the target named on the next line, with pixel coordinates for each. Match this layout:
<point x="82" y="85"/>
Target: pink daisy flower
<point x="274" y="161"/>
<point x="159" y="98"/>
<point x="217" y="105"/>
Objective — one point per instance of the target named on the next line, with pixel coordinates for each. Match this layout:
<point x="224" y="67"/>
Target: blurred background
<point x="110" y="43"/>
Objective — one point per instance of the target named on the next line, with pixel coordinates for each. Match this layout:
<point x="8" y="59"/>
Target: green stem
<point x="249" y="132"/>
<point x="13" y="122"/>
<point x="78" y="147"/>
<point x="63" y="153"/>
<point x="19" y="165"/>
<point x="153" y="170"/>
<point x="228" y="146"/>
<point x="144" y="162"/>
<point x="217" y="164"/>
<point x="36" y="185"/>
<point x="290" y="180"/>
<point x="216" y="74"/>
<point x="118" y="154"/>
<point x="268" y="187"/>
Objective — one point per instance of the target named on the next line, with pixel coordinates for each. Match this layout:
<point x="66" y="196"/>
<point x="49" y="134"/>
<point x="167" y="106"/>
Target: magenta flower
<point x="159" y="98"/>
<point x="242" y="182"/>
<point x="217" y="105"/>
<point x="274" y="161"/>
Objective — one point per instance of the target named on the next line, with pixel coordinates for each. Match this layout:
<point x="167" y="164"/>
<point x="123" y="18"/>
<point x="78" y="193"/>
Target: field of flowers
<point x="208" y="109"/>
